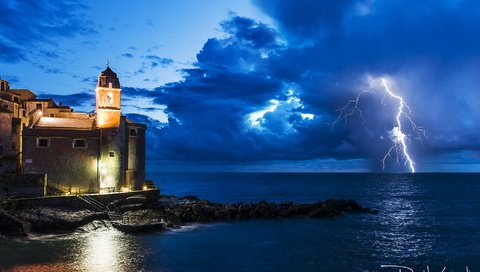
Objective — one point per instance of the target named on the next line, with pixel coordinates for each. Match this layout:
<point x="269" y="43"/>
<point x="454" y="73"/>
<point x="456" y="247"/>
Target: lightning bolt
<point x="398" y="137"/>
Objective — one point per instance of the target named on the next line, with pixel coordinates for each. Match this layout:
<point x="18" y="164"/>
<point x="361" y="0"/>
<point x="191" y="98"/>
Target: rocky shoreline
<point x="138" y="214"/>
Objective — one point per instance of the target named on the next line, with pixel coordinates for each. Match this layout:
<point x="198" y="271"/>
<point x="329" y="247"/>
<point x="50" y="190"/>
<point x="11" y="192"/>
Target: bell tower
<point x="108" y="99"/>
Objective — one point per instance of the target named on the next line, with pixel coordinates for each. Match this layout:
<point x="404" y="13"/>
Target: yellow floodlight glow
<point x="124" y="189"/>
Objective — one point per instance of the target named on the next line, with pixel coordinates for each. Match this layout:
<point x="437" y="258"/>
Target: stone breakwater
<point x="178" y="211"/>
<point x="135" y="212"/>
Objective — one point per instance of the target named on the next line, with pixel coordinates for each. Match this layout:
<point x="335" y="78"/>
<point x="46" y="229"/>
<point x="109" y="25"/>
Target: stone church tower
<point x="108" y="99"/>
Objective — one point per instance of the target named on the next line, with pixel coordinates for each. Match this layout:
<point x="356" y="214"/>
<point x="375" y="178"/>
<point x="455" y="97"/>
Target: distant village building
<point x="79" y="152"/>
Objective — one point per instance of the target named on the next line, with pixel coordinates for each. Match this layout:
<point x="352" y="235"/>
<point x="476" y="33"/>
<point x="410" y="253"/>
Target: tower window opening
<point x="133" y="132"/>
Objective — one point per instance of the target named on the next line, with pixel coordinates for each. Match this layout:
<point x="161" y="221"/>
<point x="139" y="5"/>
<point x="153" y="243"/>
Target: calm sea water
<point x="425" y="219"/>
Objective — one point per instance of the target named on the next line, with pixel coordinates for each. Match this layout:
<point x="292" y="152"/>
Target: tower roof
<point x="108" y="79"/>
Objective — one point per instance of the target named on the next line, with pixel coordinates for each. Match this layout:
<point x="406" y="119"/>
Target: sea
<point x="427" y="222"/>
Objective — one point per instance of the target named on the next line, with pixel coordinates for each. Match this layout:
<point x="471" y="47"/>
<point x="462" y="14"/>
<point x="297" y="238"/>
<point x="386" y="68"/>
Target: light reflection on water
<point x="101" y="250"/>
<point x="424" y="219"/>
<point x="405" y="224"/>
<point x="108" y="250"/>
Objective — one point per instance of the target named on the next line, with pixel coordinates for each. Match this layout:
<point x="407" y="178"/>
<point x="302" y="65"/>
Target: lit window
<point x="43" y="142"/>
<point x="79" y="143"/>
<point x="112" y="154"/>
<point x="133" y="132"/>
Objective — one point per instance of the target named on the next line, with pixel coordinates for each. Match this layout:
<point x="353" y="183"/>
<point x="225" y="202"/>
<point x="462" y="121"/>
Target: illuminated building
<point x="81" y="152"/>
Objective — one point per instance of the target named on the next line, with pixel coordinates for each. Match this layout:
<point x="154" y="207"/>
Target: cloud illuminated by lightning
<point x="397" y="135"/>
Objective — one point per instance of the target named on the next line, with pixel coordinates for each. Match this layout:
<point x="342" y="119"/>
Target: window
<point x="112" y="154"/>
<point x="24" y="113"/>
<point x="79" y="143"/>
<point x="133" y="132"/>
<point x="15" y="99"/>
<point x="39" y="106"/>
<point x="43" y="142"/>
<point x="52" y="115"/>
<point x="5" y="106"/>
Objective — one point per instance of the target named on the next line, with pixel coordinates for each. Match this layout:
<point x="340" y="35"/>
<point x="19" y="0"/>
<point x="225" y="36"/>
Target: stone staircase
<point x="57" y="187"/>
<point x="114" y="214"/>
<point x="92" y="203"/>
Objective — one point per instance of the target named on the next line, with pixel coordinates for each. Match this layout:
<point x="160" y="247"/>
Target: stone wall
<point x="135" y="173"/>
<point x="6" y="162"/>
<point x="22" y="185"/>
<point x="73" y="201"/>
<point x="75" y="168"/>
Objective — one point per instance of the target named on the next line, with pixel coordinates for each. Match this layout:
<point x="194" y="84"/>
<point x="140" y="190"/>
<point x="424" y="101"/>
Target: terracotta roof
<point x="24" y="94"/>
<point x="64" y="123"/>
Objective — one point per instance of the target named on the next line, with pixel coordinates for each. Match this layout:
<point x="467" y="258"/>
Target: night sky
<point x="256" y="85"/>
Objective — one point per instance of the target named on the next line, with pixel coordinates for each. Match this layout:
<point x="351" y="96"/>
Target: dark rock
<point x="175" y="211"/>
<point x="190" y="198"/>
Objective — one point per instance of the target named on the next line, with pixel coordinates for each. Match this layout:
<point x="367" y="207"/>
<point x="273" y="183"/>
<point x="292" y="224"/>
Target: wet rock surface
<point x="178" y="211"/>
<point x="174" y="212"/>
<point x="46" y="219"/>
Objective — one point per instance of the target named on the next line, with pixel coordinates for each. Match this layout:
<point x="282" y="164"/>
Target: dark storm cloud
<point x="428" y="48"/>
<point x="315" y="60"/>
<point x="76" y="99"/>
<point x="256" y="35"/>
<point x="27" y="26"/>
<point x="208" y="110"/>
<point x="305" y="19"/>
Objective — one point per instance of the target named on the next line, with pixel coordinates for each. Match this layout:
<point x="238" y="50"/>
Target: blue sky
<point x="255" y="85"/>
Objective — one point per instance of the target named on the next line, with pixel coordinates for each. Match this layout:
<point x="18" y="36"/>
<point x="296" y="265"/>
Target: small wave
<point x="194" y="226"/>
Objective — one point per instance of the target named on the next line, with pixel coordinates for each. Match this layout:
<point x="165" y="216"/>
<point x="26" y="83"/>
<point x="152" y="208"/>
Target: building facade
<point x="13" y="118"/>
<point x="81" y="152"/>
